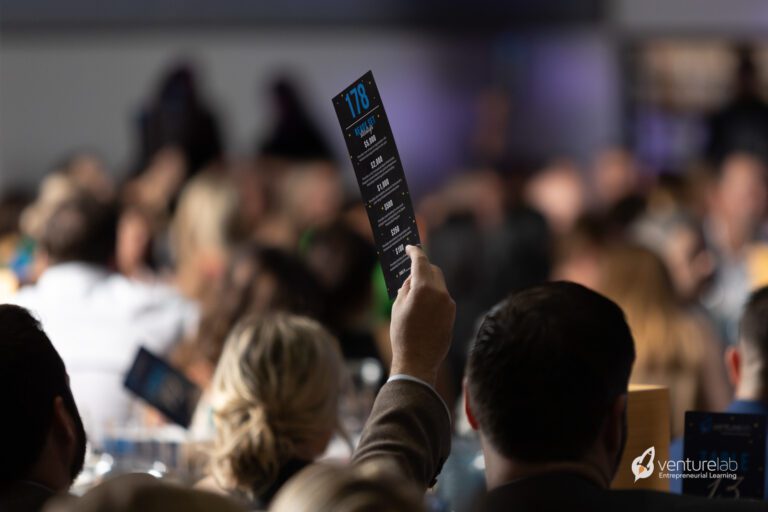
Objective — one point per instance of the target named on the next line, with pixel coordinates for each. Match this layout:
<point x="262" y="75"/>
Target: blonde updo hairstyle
<point x="275" y="393"/>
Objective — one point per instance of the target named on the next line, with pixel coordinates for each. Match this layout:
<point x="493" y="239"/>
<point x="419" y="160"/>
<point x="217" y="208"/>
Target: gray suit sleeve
<point x="409" y="427"/>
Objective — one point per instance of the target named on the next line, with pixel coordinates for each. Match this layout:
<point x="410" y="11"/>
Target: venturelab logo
<point x="716" y="468"/>
<point x="642" y="466"/>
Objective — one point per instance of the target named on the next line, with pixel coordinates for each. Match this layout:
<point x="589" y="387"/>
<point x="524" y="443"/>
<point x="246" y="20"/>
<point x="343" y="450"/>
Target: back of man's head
<point x="32" y="375"/>
<point x="545" y="370"/>
<point x="753" y="334"/>
<point x="81" y="230"/>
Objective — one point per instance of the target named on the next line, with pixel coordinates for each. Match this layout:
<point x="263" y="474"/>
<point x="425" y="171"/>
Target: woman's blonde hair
<point x="335" y="488"/>
<point x="639" y="282"/>
<point x="206" y="215"/>
<point x="275" y="390"/>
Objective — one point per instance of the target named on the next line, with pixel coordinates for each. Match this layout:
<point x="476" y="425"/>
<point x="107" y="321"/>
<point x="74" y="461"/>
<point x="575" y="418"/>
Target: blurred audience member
<point x="747" y="364"/>
<point x="738" y="204"/>
<point x="140" y="492"/>
<point x="295" y="136"/>
<point x="12" y="204"/>
<point x="679" y="240"/>
<point x="558" y="192"/>
<point x="742" y="124"/>
<point x="344" y="263"/>
<point x="259" y="280"/>
<point x="79" y="174"/>
<point x="88" y="172"/>
<point x="312" y="194"/>
<point x="733" y="228"/>
<point x="16" y="250"/>
<point x="275" y="403"/>
<point x="133" y="255"/>
<point x="673" y="192"/>
<point x="97" y="319"/>
<point x="45" y="440"/>
<point x="178" y="117"/>
<point x="54" y="190"/>
<point x="202" y="232"/>
<point x="480" y="194"/>
<point x="254" y="194"/>
<point x="305" y="196"/>
<point x="486" y="247"/>
<point x="578" y="253"/>
<point x="616" y="185"/>
<point x="335" y="488"/>
<point x="148" y="203"/>
<point x="747" y="361"/>
<point x="675" y="347"/>
<point x="490" y="133"/>
<point x="157" y="188"/>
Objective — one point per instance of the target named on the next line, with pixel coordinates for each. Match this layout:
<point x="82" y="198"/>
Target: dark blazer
<point x="409" y="427"/>
<point x="23" y="497"/>
<point x="564" y="491"/>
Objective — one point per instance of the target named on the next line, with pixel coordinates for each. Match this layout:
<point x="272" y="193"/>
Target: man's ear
<point x="468" y="407"/>
<point x="733" y="364"/>
<point x="63" y="424"/>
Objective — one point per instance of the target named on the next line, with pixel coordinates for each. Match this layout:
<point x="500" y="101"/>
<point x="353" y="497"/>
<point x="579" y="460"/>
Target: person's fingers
<point x="403" y="291"/>
<point x="420" y="267"/>
<point x="438" y="277"/>
<point x="402" y="294"/>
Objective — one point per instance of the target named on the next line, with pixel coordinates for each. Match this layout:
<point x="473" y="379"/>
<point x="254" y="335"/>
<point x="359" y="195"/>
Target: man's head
<point x="740" y="194"/>
<point x="81" y="230"/>
<point x="41" y="427"/>
<point x="547" y="377"/>
<point x="747" y="362"/>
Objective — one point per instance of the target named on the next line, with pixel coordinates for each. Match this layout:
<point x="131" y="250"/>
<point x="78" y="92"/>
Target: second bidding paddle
<point x="380" y="176"/>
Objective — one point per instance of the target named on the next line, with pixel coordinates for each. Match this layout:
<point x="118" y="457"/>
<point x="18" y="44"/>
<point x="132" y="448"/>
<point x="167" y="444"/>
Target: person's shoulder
<point x="145" y="292"/>
<point x="25" y="296"/>
<point x="148" y="299"/>
<point x="656" y="501"/>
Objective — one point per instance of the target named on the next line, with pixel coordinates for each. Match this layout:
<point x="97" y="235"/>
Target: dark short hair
<point x="32" y="375"/>
<point x="753" y="328"/>
<point x="83" y="230"/>
<point x="545" y="367"/>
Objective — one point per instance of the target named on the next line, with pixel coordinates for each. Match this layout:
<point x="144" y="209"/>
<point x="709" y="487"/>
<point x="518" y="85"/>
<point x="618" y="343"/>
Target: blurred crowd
<point x="195" y="241"/>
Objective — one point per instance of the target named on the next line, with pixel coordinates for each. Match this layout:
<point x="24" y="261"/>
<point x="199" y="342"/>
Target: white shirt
<point x="97" y="321"/>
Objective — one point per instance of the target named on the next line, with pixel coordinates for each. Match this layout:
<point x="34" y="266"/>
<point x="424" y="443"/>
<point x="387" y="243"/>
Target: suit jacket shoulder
<point x="561" y="491"/>
<point x="662" y="501"/>
<point x="23" y="497"/>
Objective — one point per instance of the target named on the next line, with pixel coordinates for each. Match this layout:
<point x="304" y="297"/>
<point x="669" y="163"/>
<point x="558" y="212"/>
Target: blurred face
<point x="582" y="267"/>
<point x="615" y="176"/>
<point x="133" y="238"/>
<point x="89" y="172"/>
<point x="314" y="194"/>
<point x="558" y="194"/>
<point x="160" y="182"/>
<point x="689" y="263"/>
<point x="251" y="187"/>
<point x="741" y="191"/>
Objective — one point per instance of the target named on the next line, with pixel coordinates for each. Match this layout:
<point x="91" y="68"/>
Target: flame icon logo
<point x="642" y="466"/>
